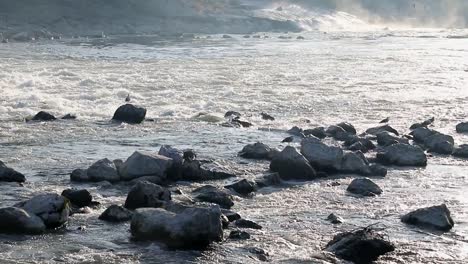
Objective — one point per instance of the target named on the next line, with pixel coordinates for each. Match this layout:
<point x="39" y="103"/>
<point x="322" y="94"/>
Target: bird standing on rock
<point x="385" y="120"/>
<point x="127" y="99"/>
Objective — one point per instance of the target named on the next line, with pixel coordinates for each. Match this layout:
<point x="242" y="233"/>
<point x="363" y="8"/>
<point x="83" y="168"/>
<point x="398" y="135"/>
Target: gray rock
<point x="130" y="114"/>
<point x="339" y="133"/>
<point x="146" y="194"/>
<point x="377" y="170"/>
<point x="175" y="154"/>
<point x="291" y="165"/>
<point x="436" y="217"/>
<point x="362" y="246"/>
<point x="379" y="129"/>
<point x="80" y="198"/>
<point x="116" y="213"/>
<point x="364" y="187"/>
<point x="103" y="170"/>
<point x="426" y="123"/>
<point x="212" y="194"/>
<point x="258" y="151"/>
<point x="238" y="234"/>
<point x="296" y="131"/>
<point x="141" y="164"/>
<point x="43" y="116"/>
<point x="79" y="175"/>
<point x="243" y="223"/>
<point x="18" y="221"/>
<point x="461" y="151"/>
<point x="52" y="208"/>
<point x="402" y="155"/>
<point x="366" y="142"/>
<point x="334" y="219"/>
<point x="10" y="175"/>
<point x="318" y="132"/>
<point x="387" y="139"/>
<point x="243" y="187"/>
<point x="271" y="179"/>
<point x="355" y="163"/>
<point x="321" y="156"/>
<point x="462" y="127"/>
<point x="348" y="127"/>
<point x="421" y="134"/>
<point x="193" y="228"/>
<point x="440" y="143"/>
<point x="195" y="171"/>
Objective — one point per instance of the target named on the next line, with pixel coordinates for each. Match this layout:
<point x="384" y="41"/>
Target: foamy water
<point x="359" y="77"/>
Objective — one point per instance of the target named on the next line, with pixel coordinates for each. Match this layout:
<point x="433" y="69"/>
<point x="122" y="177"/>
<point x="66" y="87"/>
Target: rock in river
<point x="10" y="175"/>
<point x="116" y="213"/>
<point x="52" y="208"/>
<point x="141" y="164"/>
<point x="364" y="187"/>
<point x="437" y="217"/>
<point x="103" y="170"/>
<point x="18" y="221"/>
<point x="402" y="155"/>
<point x="291" y="165"/>
<point x="258" y="151"/>
<point x="80" y="198"/>
<point x="130" y="114"/>
<point x="462" y="127"/>
<point x="212" y="194"/>
<point x="146" y="194"/>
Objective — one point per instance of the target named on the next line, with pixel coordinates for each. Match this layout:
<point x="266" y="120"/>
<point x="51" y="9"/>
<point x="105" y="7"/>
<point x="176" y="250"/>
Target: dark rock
<point x="355" y="163"/>
<point x="421" y="134"/>
<point x="296" y="131"/>
<point x="145" y="194"/>
<point x="266" y="116"/>
<point x="291" y="165"/>
<point x="80" y="198"/>
<point x="176" y="155"/>
<point x="366" y="142"/>
<point x="425" y="124"/>
<point x="461" y="151"/>
<point x="258" y="151"/>
<point x="243" y="187"/>
<point x="18" y="221"/>
<point x="402" y="155"/>
<point x="103" y="170"/>
<point x="334" y="219"/>
<point x="377" y="170"/>
<point x="271" y="179"/>
<point x="212" y="194"/>
<point x="243" y="223"/>
<point x="436" y="217"/>
<point x="69" y="117"/>
<point x="129" y="113"/>
<point x="318" y="132"/>
<point x="462" y="127"/>
<point x="230" y="215"/>
<point x="338" y="133"/>
<point x="348" y="127"/>
<point x="237" y="122"/>
<point x="434" y="141"/>
<point x="116" y="213"/>
<point x="192" y="228"/>
<point x="288" y="140"/>
<point x="141" y="164"/>
<point x="364" y="187"/>
<point x="189" y="155"/>
<point x="323" y="157"/>
<point x="358" y="146"/>
<point x="52" y="208"/>
<point x="384" y="121"/>
<point x="238" y="234"/>
<point x="79" y="175"/>
<point x="43" y="116"/>
<point x="387" y="139"/>
<point x="10" y="175"/>
<point x="362" y="246"/>
<point x="194" y="171"/>
<point x="379" y="129"/>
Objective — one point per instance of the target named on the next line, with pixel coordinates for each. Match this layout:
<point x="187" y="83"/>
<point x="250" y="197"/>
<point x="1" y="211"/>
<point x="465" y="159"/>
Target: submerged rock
<point x="10" y="175"/>
<point x="129" y="113"/>
<point x="462" y="127"/>
<point x="243" y="223"/>
<point x="362" y="246"/>
<point x="321" y="156"/>
<point x="243" y="187"/>
<point x="193" y="228"/>
<point x="116" y="213"/>
<point x="258" y="151"/>
<point x="18" y="221"/>
<point x="44" y="116"/>
<point x="69" y="117"/>
<point x="232" y="114"/>
<point x="52" y="208"/>
<point x="291" y="165"/>
<point x="364" y="187"/>
<point x="212" y="194"/>
<point x="103" y="170"/>
<point x="141" y="164"/>
<point x="145" y="194"/>
<point x="402" y="155"/>
<point x="80" y="198"/>
<point x="436" y="217"/>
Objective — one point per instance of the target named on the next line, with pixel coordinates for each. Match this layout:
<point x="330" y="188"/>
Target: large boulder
<point x="462" y="127"/>
<point x="348" y="127"/>
<point x="177" y="157"/>
<point x="193" y="228"/>
<point x="80" y="198"/>
<point x="129" y="113"/>
<point x="355" y="162"/>
<point x="436" y="217"/>
<point x="258" y="151"/>
<point x="194" y="170"/>
<point x="339" y="133"/>
<point x="141" y="164"/>
<point x="10" y="175"/>
<point x="43" y="116"/>
<point x="364" y="187"/>
<point x="291" y="165"/>
<point x="379" y="129"/>
<point x="363" y="246"/>
<point x="103" y="170"/>
<point x="212" y="194"/>
<point x="434" y="141"/>
<point x="386" y="139"/>
<point x="461" y="151"/>
<point x="146" y="194"/>
<point x="402" y="155"/>
<point x="321" y="156"/>
<point x="52" y="208"/>
<point x="18" y="221"/>
<point x="243" y="187"/>
<point x="318" y="132"/>
<point x="116" y="213"/>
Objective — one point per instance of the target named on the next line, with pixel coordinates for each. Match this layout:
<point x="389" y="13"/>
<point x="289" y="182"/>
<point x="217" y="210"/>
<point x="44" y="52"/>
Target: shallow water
<point x="359" y="77"/>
